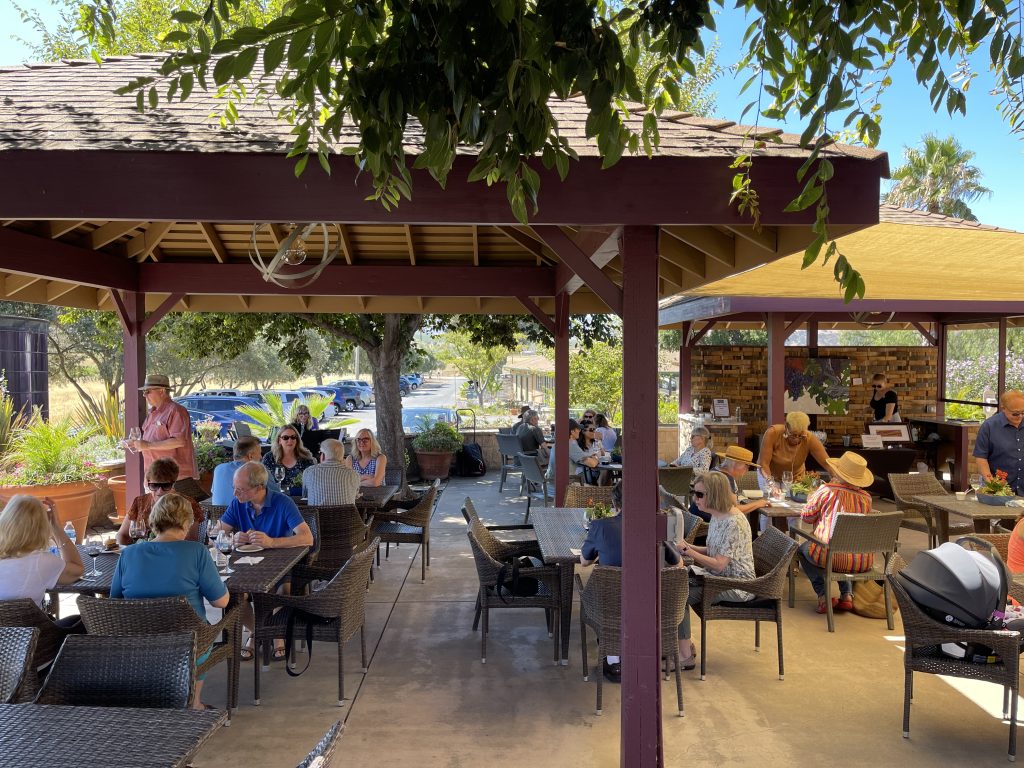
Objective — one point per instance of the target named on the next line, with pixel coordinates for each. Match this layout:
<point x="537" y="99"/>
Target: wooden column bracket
<point x="800" y="320"/>
<point x="931" y="338"/>
<point x="580" y="264"/>
<point x="541" y="317"/>
<point x="696" y="336"/>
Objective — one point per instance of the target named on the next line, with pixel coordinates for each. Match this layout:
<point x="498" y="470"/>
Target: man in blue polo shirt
<point x="1000" y="442"/>
<point x="261" y="516"/>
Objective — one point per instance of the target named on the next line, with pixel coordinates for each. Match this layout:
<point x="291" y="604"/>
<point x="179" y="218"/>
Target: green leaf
<point x="811" y="254"/>
<point x="187" y="83"/>
<point x="154" y="98"/>
<point x="186" y="17"/>
<point x="273" y="55"/>
<point x="223" y="69"/>
<point x="300" y="166"/>
<point x="244" y="63"/>
<point x="299" y="46"/>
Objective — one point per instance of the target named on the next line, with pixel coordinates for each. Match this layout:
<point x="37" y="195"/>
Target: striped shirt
<point x="821" y="510"/>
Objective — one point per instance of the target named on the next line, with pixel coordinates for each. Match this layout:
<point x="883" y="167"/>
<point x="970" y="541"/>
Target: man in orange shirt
<point x="167" y="431"/>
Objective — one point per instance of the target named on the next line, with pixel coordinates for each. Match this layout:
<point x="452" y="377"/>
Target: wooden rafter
<point x="144" y="246"/>
<point x="110" y="231"/>
<point x="244" y="300"/>
<point x="476" y="245"/>
<point x="55" y="229"/>
<point x="542" y="317"/>
<point x="57" y="290"/>
<point x="765" y="238"/>
<point x="346" y="245"/>
<point x="526" y="241"/>
<point x="708" y="240"/>
<point x="216" y="244"/>
<point x="19" y="283"/>
<point x="303" y="302"/>
<point x="410" y="244"/>
<point x="684" y="256"/>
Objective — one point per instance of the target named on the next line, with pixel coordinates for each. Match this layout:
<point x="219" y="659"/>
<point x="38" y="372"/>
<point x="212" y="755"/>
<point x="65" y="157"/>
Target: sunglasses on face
<point x="1015" y="414"/>
<point x="287" y="437"/>
<point x="362" y="439"/>
<point x="159" y="486"/>
<point x="791" y="436"/>
<point x="876" y="386"/>
<point x="697" y="494"/>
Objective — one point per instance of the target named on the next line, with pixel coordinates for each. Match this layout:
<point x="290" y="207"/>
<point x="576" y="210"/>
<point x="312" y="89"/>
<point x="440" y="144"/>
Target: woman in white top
<point x="698" y="455"/>
<point x="27" y="567"/>
<point x="605" y="432"/>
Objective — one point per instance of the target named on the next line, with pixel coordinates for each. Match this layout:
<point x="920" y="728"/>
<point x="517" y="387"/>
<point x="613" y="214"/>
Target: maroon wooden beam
<point x="561" y="397"/>
<point x="1001" y="361"/>
<point x="160" y="312"/>
<point x="354" y="280"/>
<point x="541" y="317"/>
<point x="928" y="335"/>
<point x="131" y="309"/>
<point x="54" y="260"/>
<point x="940" y="370"/>
<point x="812" y="334"/>
<point x="641" y="743"/>
<point x="204" y="186"/>
<point x="796" y="323"/>
<point x="685" y="370"/>
<point x="579" y="262"/>
<point x="696" y="336"/>
<point x="776" y="368"/>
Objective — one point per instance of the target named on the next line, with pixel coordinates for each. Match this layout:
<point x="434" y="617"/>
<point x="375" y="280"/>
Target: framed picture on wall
<point x="817" y="385"/>
<point x="890" y="433"/>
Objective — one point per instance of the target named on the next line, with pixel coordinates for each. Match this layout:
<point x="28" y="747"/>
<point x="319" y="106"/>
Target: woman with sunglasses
<point x="785" y="447"/>
<point x="160" y="478"/>
<point x="304" y="420"/>
<point x="367" y="460"/>
<point x="590" y="444"/>
<point x="883" y="403"/>
<point x="289" y="453"/>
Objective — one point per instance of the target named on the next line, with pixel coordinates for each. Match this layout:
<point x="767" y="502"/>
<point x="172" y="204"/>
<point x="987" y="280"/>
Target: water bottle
<point x="69" y="531"/>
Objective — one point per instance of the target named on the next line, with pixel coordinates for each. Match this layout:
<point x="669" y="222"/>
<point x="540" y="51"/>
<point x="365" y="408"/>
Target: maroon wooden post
<point x="1001" y="374"/>
<point x="776" y="327"/>
<point x="812" y="335"/>
<point x="561" y="395"/>
<point x="131" y="307"/>
<point x="685" y="370"/>
<point x="940" y="370"/>
<point x="641" y="743"/>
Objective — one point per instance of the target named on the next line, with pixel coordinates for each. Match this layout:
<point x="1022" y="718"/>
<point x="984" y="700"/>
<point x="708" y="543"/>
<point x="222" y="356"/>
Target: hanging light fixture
<point x="293" y="251"/>
<point x="871" y="319"/>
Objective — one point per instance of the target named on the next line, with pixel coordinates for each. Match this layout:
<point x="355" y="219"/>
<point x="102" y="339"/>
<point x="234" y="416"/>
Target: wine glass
<point x="93" y="550"/>
<point x="787" y="483"/>
<point x="225" y="545"/>
<point x="133" y="434"/>
<point x="279" y="473"/>
<point x="137" y="530"/>
<point x="975" y="482"/>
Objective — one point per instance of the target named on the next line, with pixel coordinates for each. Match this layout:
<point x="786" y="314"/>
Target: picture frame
<point x="721" y="408"/>
<point x="890" y="433"/>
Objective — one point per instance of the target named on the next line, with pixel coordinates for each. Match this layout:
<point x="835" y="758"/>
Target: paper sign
<point x="871" y="441"/>
<point x="721" y="408"/>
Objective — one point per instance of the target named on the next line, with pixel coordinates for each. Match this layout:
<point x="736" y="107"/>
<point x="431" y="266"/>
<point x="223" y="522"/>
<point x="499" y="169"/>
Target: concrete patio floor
<point x="428" y="701"/>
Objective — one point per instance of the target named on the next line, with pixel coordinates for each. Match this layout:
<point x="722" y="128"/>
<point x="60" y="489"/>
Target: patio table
<point x="943" y="505"/>
<point x="43" y="735"/>
<point x="263" y="576"/>
<point x="372" y="498"/>
<point x="559" y="531"/>
<point x="99" y="585"/>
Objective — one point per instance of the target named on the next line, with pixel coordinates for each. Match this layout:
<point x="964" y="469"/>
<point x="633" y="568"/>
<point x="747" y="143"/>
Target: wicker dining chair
<point x="25" y="613"/>
<point x="311" y="517"/>
<point x="697" y="526"/>
<point x="676" y="480"/>
<point x="341" y="603"/>
<point x="152" y="616"/>
<point x="587" y="495"/>
<point x="918" y="517"/>
<point x="323" y="754"/>
<point x="410" y="526"/>
<point x="342" y="530"/>
<point x="773" y="553"/>
<point x="500" y="549"/>
<point x="1000" y="542"/>
<point x="923" y="639"/>
<point x="601" y="610"/>
<point x="855" y="534"/>
<point x="213" y="515"/>
<point x="509" y="446"/>
<point x="749" y="481"/>
<point x="155" y="672"/>
<point x="488" y="567"/>
<point x="17" y="646"/>
<point x="189" y="486"/>
<point x="534" y="479"/>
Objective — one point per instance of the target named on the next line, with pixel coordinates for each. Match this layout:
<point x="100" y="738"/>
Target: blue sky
<point x="907" y="114"/>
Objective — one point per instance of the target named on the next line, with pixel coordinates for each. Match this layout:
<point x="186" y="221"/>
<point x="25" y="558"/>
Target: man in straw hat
<point x="167" y="430"/>
<point x="735" y="461"/>
<point x="844" y="493"/>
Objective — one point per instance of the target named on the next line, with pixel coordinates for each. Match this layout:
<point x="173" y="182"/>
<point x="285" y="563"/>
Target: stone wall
<point x="741" y="375"/>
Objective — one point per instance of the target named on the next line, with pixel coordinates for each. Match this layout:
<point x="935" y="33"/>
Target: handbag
<point x="512" y="582"/>
<point x="310" y="619"/>
<point x="869" y="600"/>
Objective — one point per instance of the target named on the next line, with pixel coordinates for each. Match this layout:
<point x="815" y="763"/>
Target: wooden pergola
<point x="106" y="208"/>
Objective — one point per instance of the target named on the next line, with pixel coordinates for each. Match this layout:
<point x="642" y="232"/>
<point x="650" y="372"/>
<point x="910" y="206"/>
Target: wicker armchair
<point x="187" y="486"/>
<point x="534" y="479"/>
<point x="410" y="526"/>
<point x="509" y="446"/>
<point x="499" y="549"/>
<point x="922" y="653"/>
<point x="1000" y="542"/>
<point x="149" y="617"/>
<point x="697" y="526"/>
<point x="676" y="480"/>
<point x="749" y="481"/>
<point x="773" y="553"/>
<point x="587" y="495"/>
<point x="25" y="613"/>
<point x="342" y="531"/>
<point x="96" y="671"/>
<point x="547" y="597"/>
<point x="601" y="609"/>
<point x="17" y="646"/>
<point x="213" y="514"/>
<point x="855" y="534"/>
<point x="322" y="755"/>
<point x="312" y="518"/>
<point x="917" y="517"/>
<point x="342" y="603"/>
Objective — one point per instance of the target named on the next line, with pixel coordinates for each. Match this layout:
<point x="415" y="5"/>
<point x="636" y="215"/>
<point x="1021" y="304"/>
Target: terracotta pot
<point x="71" y="499"/>
<point x="206" y="481"/>
<point x="434" y="464"/>
<point x="119" y="487"/>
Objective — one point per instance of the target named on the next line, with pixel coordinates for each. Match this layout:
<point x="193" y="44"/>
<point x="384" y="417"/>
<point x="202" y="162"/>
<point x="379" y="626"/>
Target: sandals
<point x="844" y="604"/>
<point x="280" y="654"/>
<point x="246" y="653"/>
<point x="691" y="663"/>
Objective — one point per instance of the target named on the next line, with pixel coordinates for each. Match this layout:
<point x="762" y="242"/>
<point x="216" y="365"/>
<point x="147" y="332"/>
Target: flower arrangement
<point x="599" y="510"/>
<point x="208" y="430"/>
<point x="208" y="454"/>
<point x="48" y="453"/>
<point x="805" y="484"/>
<point x="996" y="485"/>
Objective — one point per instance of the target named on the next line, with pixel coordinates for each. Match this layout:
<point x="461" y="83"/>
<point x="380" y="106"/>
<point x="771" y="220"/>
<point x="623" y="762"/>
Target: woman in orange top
<point x="784" y="448"/>
<point x="1015" y="553"/>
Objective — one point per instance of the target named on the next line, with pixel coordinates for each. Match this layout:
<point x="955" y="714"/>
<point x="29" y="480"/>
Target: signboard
<point x="721" y="408"/>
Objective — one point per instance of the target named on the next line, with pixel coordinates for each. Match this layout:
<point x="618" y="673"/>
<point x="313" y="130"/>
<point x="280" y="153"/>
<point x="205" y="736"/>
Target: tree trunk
<point x="319" y="379"/>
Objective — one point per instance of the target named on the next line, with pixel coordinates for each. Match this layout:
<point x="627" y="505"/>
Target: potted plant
<point x="48" y="458"/>
<point x="996" y="492"/>
<point x="208" y="456"/>
<point x="435" y="447"/>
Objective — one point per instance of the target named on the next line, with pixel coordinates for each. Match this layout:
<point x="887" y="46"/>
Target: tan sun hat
<point x="853" y="468"/>
<point x="735" y="453"/>
<point x="156" y="381"/>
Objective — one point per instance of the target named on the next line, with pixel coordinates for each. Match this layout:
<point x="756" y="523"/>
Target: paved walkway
<point x="427" y="700"/>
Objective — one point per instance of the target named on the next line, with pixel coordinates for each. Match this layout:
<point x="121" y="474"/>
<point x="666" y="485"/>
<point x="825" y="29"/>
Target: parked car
<point x="404" y="386"/>
<point x="345" y="398"/>
<point x="219" y="392"/>
<point x="415" y="378"/>
<point x="416" y="418"/>
<point x="365" y="390"/>
<point x="221" y="407"/>
<point x="332" y="409"/>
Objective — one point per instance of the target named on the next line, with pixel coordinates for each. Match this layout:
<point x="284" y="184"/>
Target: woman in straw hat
<point x="844" y="493"/>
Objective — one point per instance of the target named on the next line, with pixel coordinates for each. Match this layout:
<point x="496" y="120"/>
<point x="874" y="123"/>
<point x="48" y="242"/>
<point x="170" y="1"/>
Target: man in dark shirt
<point x="531" y="436"/>
<point x="1000" y="442"/>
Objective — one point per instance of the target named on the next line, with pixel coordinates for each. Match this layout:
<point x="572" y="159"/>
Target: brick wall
<point x="740" y="374"/>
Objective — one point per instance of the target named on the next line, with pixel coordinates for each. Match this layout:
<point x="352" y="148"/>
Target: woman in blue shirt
<point x="168" y="566"/>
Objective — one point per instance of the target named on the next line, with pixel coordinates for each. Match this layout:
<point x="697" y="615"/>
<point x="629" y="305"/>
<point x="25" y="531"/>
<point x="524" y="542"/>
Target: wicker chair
<point x="773" y="553"/>
<point x="676" y="480"/>
<point x="322" y="755"/>
<point x="341" y="603"/>
<point x="188" y="486"/>
<point x="312" y="518"/>
<point x="587" y="495"/>
<point x="749" y="481"/>
<point x="25" y="613"/>
<point x="408" y="526"/>
<point x="17" y="646"/>
<point x="487" y="567"/>
<point x="509" y="446"/>
<point x="601" y="609"/>
<point x="342" y="531"/>
<point x="1000" y="542"/>
<point x="855" y="534"/>
<point x="213" y="514"/>
<point x="96" y="671"/>
<point x="917" y="517"/>
<point x="498" y="548"/>
<point x="149" y="617"/>
<point x="924" y="637"/>
<point x="698" y="526"/>
<point x="534" y="479"/>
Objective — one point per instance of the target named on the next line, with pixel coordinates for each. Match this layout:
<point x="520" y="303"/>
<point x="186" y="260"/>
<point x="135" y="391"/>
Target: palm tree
<point x="937" y="178"/>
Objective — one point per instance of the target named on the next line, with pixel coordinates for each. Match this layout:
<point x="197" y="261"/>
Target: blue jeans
<point x="816" y="574"/>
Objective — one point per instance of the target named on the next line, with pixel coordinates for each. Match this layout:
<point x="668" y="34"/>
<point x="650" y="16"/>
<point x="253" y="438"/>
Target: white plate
<point x="754" y="494"/>
<point x="249" y="548"/>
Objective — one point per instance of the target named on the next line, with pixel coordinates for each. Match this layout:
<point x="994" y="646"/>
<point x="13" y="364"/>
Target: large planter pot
<point x="206" y="481"/>
<point x="995" y="501"/>
<point x="118" y="486"/>
<point x="434" y="465"/>
<point x="71" y="499"/>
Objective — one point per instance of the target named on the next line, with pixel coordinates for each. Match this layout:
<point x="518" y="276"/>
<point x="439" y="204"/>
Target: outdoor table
<point x="372" y="498"/>
<point x="263" y="576"/>
<point x="779" y="512"/>
<point x="559" y="531"/>
<point x="99" y="585"/>
<point x="43" y="735"/>
<point x="943" y="505"/>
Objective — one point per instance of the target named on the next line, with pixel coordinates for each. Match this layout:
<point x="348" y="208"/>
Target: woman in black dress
<point x="883" y="399"/>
